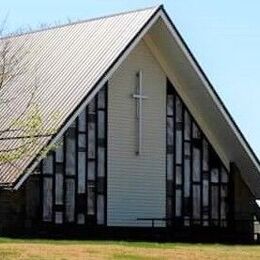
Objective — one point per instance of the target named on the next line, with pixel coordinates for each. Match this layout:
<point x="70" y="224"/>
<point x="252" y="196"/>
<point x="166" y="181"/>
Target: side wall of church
<point x="19" y="210"/>
<point x="244" y="206"/>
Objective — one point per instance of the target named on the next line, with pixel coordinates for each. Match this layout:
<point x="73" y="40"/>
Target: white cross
<point x="139" y="110"/>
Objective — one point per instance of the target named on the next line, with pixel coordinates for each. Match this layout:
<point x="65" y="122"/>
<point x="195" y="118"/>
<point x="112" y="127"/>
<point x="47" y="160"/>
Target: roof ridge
<point x="155" y="7"/>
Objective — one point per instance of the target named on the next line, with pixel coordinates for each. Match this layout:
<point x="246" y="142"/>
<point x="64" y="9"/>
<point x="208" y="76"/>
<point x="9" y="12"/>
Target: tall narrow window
<point x="74" y="175"/>
<point x="197" y="180"/>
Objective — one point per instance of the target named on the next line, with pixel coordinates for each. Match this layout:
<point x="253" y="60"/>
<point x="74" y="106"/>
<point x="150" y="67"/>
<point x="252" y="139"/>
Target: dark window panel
<point x="81" y="172"/>
<point x="70" y="152"/>
<point x="214" y="161"/>
<point x="101" y="162"/>
<point x="101" y="185"/>
<point x="81" y="219"/>
<point x="224" y="175"/>
<point x="196" y="202"/>
<point x="214" y="175"/>
<point x="178" y="105"/>
<point x="205" y="176"/>
<point x="169" y="191"/>
<point x="205" y="223"/>
<point x="58" y="207"/>
<point x="170" y="105"/>
<point x="81" y="202"/>
<point x="100" y="209"/>
<point x="91" y="140"/>
<point x="187" y="221"/>
<point x="59" y="188"/>
<point x="170" y="149"/>
<point x="91" y="198"/>
<point x="59" y="152"/>
<point x="197" y="143"/>
<point x="205" y="192"/>
<point x="101" y="142"/>
<point x="170" y="166"/>
<point x="169" y="207"/>
<point x="196" y="134"/>
<point x="92" y="107"/>
<point x="214" y="203"/>
<point x="102" y="99"/>
<point x="178" y="148"/>
<point x="187" y="150"/>
<point x="71" y="132"/>
<point x="187" y="177"/>
<point x="223" y="203"/>
<point x="91" y="118"/>
<point x="205" y="211"/>
<point x="58" y="217"/>
<point x="187" y="126"/>
<point x="196" y="164"/>
<point x="91" y="170"/>
<point x="179" y="126"/>
<point x="205" y="199"/>
<point x="47" y="165"/>
<point x="47" y="199"/>
<point x="82" y="141"/>
<point x="178" y="178"/>
<point x="101" y="124"/>
<point x="187" y="206"/>
<point x="170" y="130"/>
<point x="178" y="202"/>
<point x="205" y="160"/>
<point x="82" y="122"/>
<point x="82" y="149"/>
<point x="70" y="200"/>
<point x="59" y="168"/>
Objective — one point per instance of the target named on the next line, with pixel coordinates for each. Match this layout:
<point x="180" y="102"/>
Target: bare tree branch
<point x="24" y="132"/>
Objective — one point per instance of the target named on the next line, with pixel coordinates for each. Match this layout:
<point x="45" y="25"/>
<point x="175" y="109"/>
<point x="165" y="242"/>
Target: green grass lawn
<point x="64" y="249"/>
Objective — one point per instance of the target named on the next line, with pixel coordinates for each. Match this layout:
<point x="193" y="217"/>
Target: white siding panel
<point x="136" y="184"/>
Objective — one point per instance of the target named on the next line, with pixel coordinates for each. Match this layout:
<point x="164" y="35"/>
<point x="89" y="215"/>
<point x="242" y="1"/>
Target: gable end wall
<point x="136" y="184"/>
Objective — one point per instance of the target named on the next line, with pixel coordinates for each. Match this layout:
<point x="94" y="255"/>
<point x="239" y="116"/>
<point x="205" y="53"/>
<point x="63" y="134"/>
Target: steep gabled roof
<point x="74" y="61"/>
<point x="67" y="62"/>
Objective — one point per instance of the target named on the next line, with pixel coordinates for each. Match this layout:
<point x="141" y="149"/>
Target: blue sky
<point x="223" y="35"/>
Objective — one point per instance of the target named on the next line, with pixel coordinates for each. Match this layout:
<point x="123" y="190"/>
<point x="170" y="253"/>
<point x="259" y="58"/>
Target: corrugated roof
<point x="64" y="63"/>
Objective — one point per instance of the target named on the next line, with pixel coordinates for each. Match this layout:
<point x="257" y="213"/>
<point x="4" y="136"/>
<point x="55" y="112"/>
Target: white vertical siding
<point x="136" y="184"/>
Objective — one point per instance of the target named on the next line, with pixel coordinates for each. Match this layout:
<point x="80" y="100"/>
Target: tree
<point x="20" y="133"/>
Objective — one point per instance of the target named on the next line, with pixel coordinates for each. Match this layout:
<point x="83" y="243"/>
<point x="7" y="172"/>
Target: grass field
<point x="61" y="249"/>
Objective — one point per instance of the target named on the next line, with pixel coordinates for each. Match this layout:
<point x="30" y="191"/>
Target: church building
<point x="142" y="140"/>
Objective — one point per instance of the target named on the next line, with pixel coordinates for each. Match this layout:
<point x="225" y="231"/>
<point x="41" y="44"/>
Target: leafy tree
<point x="21" y="134"/>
